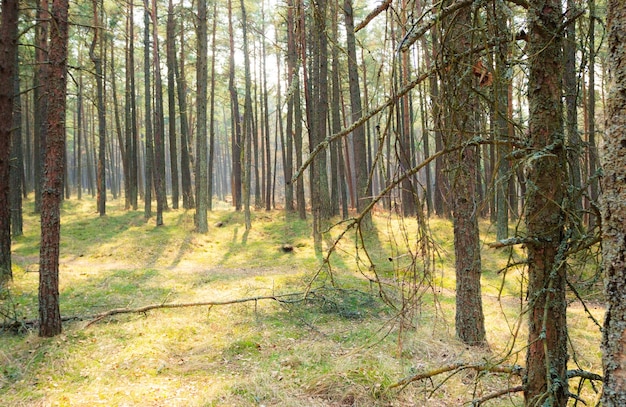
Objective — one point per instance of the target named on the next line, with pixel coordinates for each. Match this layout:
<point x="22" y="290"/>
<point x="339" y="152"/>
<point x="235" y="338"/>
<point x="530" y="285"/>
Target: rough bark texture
<point x="614" y="214"/>
<point x="364" y="187"/>
<point x="8" y="51"/>
<point x="546" y="359"/>
<point x="201" y="139"/>
<point x="52" y="190"/>
<point x="17" y="160"/>
<point x="460" y="104"/>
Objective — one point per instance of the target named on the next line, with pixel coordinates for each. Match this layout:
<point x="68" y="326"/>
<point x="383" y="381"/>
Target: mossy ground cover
<point x="342" y="346"/>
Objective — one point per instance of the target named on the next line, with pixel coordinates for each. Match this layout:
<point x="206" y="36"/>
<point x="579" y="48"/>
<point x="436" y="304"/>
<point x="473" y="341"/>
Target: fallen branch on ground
<point x="479" y="367"/>
<point x="18" y="325"/>
<point x="478" y="402"/>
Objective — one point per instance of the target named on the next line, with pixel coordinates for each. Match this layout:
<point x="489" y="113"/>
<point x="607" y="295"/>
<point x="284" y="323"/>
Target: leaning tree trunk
<point x="545" y="382"/>
<point x="52" y="187"/>
<point x="8" y="67"/>
<point x="614" y="214"/>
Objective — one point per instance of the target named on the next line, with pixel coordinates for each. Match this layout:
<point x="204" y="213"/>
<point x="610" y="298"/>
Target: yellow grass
<point x="252" y="354"/>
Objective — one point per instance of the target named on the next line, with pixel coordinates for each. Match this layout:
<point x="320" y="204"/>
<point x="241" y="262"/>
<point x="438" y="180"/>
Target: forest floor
<point x="346" y="344"/>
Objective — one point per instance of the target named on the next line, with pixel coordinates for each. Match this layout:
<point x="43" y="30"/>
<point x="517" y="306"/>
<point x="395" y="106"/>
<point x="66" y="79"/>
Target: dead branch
<point x="19" y="325"/>
<point x="142" y="310"/>
<point x="513" y="241"/>
<point x="584" y="374"/>
<point x="479" y="367"/>
<point x="384" y="6"/>
<point x="504" y="392"/>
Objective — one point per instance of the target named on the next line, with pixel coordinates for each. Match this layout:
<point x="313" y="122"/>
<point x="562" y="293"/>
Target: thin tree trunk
<point x="17" y="156"/>
<point x="247" y="122"/>
<point x="95" y="54"/>
<point x="236" y="120"/>
<point x="159" y="127"/>
<point x="171" y="101"/>
<point x="149" y="137"/>
<point x="363" y="181"/>
<point x="212" y="113"/>
<point x="185" y="162"/>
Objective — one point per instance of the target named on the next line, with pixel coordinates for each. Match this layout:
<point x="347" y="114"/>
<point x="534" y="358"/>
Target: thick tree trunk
<point x="52" y="191"/>
<point x="8" y="68"/>
<point x="546" y="359"/>
<point x="201" y="137"/>
<point x="614" y="214"/>
<point x="461" y="105"/>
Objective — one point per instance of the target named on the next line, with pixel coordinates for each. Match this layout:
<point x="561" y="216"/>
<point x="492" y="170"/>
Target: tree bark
<point x="8" y="70"/>
<point x="364" y="186"/>
<point x="614" y="213"/>
<point x="52" y="191"/>
<point x="171" y="101"/>
<point x="95" y="54"/>
<point x="546" y="359"/>
<point x="16" y="171"/>
<point x="201" y="137"/>
<point x="149" y="136"/>
<point x="159" y="127"/>
<point x="460" y="105"/>
<point x="185" y="161"/>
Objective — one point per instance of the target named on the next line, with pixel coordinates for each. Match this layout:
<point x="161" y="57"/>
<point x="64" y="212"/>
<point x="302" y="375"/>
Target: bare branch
<point x="497" y="394"/>
<point x="384" y="6"/>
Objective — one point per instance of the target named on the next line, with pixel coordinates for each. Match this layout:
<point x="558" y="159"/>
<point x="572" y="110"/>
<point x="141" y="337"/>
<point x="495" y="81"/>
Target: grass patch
<point x="343" y="345"/>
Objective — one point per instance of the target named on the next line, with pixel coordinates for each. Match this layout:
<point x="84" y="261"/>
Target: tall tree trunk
<point x="185" y="162"/>
<point x="201" y="137"/>
<point x="236" y="120"/>
<point x="266" y="119"/>
<point x="95" y="54"/>
<point x="574" y="142"/>
<point x="292" y="78"/>
<point x="159" y="127"/>
<point x="149" y="155"/>
<point x="52" y="190"/>
<point x="461" y="105"/>
<point x="546" y="360"/>
<point x="16" y="181"/>
<point x="591" y="111"/>
<point x="501" y="102"/>
<point x="247" y="122"/>
<point x="40" y="98"/>
<point x="364" y="186"/>
<point x="132" y="136"/>
<point x="8" y="71"/>
<point x="171" y="101"/>
<point x="614" y="214"/>
<point x="211" y="164"/>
